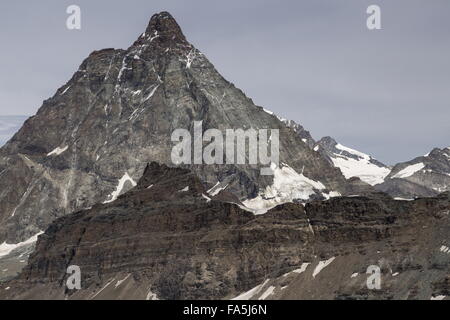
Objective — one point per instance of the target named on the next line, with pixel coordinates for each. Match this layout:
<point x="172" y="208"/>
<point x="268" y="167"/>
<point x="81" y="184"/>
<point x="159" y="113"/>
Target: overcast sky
<point x="384" y="92"/>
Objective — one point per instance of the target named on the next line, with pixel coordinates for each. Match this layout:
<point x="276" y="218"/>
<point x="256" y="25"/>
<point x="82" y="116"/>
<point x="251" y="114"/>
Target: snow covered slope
<point x="425" y="176"/>
<point x="353" y="163"/>
<point x="288" y="186"/>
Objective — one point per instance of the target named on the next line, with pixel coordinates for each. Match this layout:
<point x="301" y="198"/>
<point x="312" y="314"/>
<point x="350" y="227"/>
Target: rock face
<point x="428" y="175"/>
<point x="92" y="140"/>
<point x="167" y="239"/>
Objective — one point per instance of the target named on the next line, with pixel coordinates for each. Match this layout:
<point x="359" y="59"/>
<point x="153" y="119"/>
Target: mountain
<point x="353" y="163"/>
<point x="427" y="175"/>
<point x="89" y="181"/>
<point x="171" y="238"/>
<point x="424" y="176"/>
<point x="91" y="141"/>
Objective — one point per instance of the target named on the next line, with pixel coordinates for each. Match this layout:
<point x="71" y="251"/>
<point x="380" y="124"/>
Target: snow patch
<point x="354" y="275"/>
<point x="268" y="111"/>
<point x="184" y="189"/>
<point x="302" y="268"/>
<point x="252" y="292"/>
<point x="101" y="290"/>
<point x="287" y="186"/>
<point x="267" y="293"/>
<point x="6" y="248"/>
<point x="438" y="298"/>
<point x="57" y="151"/>
<point x="65" y="90"/>
<point x="321" y="266"/>
<point x="116" y="193"/>
<point x="122" y="281"/>
<point x="214" y="191"/>
<point x="151" y="296"/>
<point x="208" y="199"/>
<point x="151" y="93"/>
<point x="331" y="194"/>
<point x="352" y="151"/>
<point x="409" y="170"/>
<point x="361" y="168"/>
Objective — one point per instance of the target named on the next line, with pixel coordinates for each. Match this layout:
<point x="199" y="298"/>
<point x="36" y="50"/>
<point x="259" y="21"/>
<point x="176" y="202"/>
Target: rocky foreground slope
<point x="169" y="238"/>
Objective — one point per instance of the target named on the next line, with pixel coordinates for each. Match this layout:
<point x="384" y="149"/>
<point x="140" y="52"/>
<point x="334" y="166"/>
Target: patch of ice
<point x="395" y="274"/>
<point x="268" y="111"/>
<point x="208" y="199"/>
<point x="302" y="268"/>
<point x="151" y="93"/>
<point x="352" y="151"/>
<point x="101" y="290"/>
<point x="316" y="148"/>
<point x="438" y="298"/>
<point x="214" y="191"/>
<point x="151" y="296"/>
<point x="122" y="281"/>
<point x="331" y="194"/>
<point x="184" y="189"/>
<point x="116" y="193"/>
<point x="287" y="186"/>
<point x="321" y="266"/>
<point x="6" y="248"/>
<point x="361" y="168"/>
<point x="57" y="151"/>
<point x="65" y="90"/>
<point x="267" y="293"/>
<point x="409" y="170"/>
<point x="354" y="275"/>
<point x="445" y="249"/>
<point x="252" y="292"/>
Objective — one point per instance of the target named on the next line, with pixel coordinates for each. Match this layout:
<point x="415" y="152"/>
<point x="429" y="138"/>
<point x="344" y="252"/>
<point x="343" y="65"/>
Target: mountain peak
<point x="163" y="26"/>
<point x="327" y="141"/>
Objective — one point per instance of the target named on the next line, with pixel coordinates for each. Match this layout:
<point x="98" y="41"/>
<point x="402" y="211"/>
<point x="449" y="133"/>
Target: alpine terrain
<point x="89" y="181"/>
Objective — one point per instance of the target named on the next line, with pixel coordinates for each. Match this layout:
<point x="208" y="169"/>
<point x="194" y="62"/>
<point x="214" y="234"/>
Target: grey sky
<point x="386" y="92"/>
